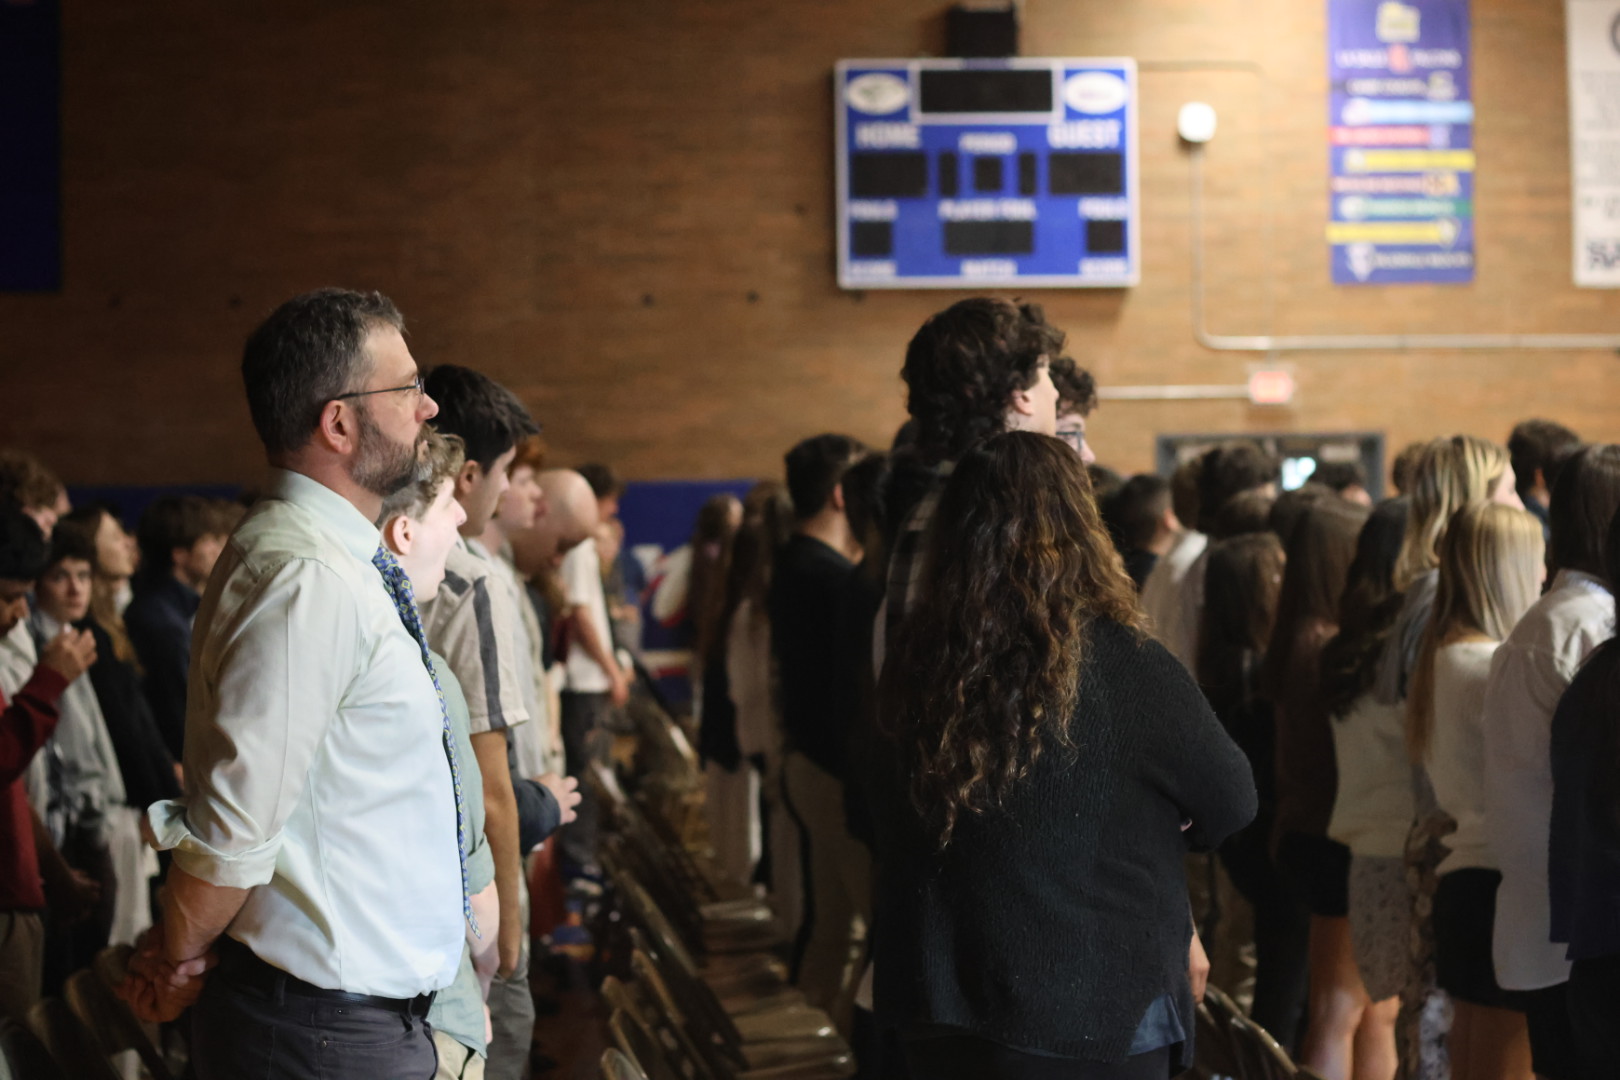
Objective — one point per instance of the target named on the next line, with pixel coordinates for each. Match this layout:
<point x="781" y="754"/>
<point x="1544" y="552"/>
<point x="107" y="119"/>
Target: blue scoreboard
<point x="976" y="173"/>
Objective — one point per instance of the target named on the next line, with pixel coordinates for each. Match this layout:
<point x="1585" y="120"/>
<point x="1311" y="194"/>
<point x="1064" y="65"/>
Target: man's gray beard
<point x="382" y="466"/>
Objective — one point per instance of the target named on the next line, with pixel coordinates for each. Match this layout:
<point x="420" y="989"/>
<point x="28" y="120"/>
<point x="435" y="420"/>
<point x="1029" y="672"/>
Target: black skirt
<point x="1464" y="913"/>
<point x="1318" y="869"/>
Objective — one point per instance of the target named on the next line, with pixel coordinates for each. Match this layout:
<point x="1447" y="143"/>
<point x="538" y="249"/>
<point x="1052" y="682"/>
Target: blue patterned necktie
<point x="399" y="590"/>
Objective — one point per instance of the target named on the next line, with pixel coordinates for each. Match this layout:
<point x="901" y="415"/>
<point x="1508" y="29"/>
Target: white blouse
<point x="1167" y="596"/>
<point x="1373" y="810"/>
<point x="1529" y="673"/>
<point x="1457" y="750"/>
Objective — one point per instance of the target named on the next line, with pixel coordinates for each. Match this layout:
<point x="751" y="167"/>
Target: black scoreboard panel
<point x="987" y="175"/>
<point x="888" y="176"/>
<point x="979" y="90"/>
<point x="972" y="238"/>
<point x="1105" y="237"/>
<point x="1086" y="174"/>
<point x="871" y="239"/>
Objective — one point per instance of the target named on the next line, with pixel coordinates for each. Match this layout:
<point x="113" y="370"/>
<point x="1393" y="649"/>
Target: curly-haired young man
<point x="980" y="367"/>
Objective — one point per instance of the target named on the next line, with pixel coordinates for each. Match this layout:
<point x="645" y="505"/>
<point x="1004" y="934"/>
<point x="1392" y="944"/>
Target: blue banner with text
<point x="1401" y="142"/>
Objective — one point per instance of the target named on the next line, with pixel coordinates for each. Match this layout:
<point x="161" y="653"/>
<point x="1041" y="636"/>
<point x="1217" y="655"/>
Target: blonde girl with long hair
<point x="1491" y="571"/>
<point x="1450" y="473"/>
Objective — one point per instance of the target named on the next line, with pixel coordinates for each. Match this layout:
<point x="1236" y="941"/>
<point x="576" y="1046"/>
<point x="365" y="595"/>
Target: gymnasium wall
<point x="624" y="212"/>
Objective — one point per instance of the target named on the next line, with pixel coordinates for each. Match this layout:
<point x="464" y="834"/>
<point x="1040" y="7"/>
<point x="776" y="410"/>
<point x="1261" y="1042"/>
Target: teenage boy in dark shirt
<point x="805" y="606"/>
<point x="181" y="537"/>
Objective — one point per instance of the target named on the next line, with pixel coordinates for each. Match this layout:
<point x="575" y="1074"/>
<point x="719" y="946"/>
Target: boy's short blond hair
<point x="442" y="458"/>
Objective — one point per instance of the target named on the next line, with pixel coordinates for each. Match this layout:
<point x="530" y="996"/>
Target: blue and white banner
<point x="1401" y="142"/>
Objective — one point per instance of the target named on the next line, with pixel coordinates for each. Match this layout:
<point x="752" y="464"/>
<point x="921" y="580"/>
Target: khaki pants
<point x="840" y="889"/>
<point x="732" y="804"/>
<point x="511" y="1009"/>
<point x="22" y="962"/>
<point x="456" y="1062"/>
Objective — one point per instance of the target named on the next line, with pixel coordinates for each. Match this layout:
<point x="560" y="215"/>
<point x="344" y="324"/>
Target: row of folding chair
<point x="669" y="773"/>
<point x="82" y="1037"/>
<point x="706" y="922"/>
<point x="668" y="1039"/>
<point x="708" y="996"/>
<point x="741" y="995"/>
<point x="723" y="1013"/>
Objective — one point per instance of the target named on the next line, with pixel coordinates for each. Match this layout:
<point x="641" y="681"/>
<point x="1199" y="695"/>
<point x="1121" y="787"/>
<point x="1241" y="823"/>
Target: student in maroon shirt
<point x="26" y="722"/>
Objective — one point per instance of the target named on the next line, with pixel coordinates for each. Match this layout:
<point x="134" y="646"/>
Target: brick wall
<point x="623" y="210"/>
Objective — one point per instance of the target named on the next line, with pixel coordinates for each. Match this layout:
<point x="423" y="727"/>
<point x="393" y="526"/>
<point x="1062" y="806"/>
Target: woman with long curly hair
<point x="1049" y="766"/>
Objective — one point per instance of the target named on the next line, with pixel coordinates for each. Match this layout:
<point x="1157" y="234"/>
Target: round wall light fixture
<point x="1196" y="122"/>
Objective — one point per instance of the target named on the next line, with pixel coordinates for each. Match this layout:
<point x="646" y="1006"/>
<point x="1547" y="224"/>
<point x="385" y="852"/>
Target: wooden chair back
<point x="615" y="1066"/>
<point x="695" y="1042"/>
<point x="1261" y="1055"/>
<point x="1221" y="1006"/>
<point x="1215" y="1058"/>
<point x="637" y="1041"/>
<point x="70" y="1043"/>
<point x="25" y="1057"/>
<point x="698" y="1001"/>
<point x="111" y="1021"/>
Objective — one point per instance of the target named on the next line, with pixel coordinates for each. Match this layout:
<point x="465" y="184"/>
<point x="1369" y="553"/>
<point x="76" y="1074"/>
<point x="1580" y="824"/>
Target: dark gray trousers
<point x="586" y="740"/>
<point x="249" y="1032"/>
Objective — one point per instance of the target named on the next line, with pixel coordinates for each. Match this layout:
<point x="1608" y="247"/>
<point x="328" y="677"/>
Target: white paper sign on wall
<point x="1593" y="27"/>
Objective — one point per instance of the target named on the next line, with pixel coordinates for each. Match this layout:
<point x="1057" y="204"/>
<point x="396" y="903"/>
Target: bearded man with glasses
<point x="318" y="879"/>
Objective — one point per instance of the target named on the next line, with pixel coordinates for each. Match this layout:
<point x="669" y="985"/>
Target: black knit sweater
<point x="1052" y="924"/>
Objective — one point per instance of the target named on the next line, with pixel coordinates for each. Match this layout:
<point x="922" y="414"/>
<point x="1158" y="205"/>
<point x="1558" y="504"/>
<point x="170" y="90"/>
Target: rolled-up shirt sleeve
<point x="259" y="720"/>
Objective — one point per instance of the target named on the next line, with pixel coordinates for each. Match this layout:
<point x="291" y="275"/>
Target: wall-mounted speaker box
<point x="973" y="31"/>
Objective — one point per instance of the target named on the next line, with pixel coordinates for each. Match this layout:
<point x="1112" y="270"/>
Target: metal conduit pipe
<point x="1172" y="393"/>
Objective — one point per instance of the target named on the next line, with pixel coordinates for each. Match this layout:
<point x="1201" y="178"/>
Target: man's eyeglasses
<point x="415" y="384"/>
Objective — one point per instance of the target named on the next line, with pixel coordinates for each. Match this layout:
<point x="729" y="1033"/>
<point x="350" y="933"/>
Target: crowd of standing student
<point x="116" y="745"/>
<point x="967" y="706"/>
<point x="1431" y="851"/>
<point x="1401" y="671"/>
